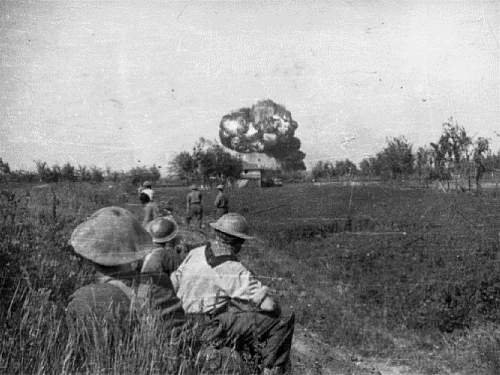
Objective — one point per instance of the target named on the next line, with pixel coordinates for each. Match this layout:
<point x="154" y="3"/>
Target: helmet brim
<point x="170" y="237"/>
<point x="232" y="233"/>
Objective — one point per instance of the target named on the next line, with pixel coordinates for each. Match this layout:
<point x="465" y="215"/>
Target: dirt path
<point x="312" y="356"/>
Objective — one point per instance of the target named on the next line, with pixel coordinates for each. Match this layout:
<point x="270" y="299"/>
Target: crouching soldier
<point x="212" y="281"/>
<point x="114" y="243"/>
<point x="159" y="265"/>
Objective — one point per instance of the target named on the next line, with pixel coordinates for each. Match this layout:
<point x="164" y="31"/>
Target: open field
<point x="380" y="279"/>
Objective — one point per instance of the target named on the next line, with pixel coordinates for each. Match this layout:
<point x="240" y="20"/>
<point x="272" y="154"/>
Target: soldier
<point x="146" y="187"/>
<point x="221" y="202"/>
<point x="114" y="243"/>
<point x="212" y="281"/>
<point x="159" y="264"/>
<point x="151" y="209"/>
<point x="193" y="206"/>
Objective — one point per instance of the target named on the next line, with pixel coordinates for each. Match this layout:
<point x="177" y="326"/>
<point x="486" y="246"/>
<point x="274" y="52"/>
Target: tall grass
<point x="367" y="293"/>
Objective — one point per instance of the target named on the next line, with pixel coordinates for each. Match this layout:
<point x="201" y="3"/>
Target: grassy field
<point x="409" y="276"/>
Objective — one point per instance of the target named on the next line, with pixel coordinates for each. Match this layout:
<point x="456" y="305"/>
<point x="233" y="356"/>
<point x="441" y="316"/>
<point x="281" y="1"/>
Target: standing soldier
<point x="147" y="187"/>
<point x="151" y="209"/>
<point x="221" y="202"/>
<point x="193" y="206"/>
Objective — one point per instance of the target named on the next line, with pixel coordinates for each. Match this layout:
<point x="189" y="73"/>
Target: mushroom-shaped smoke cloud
<point x="266" y="127"/>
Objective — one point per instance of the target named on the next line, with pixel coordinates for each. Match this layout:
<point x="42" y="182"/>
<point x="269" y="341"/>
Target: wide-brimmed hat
<point x="162" y="229"/>
<point x="110" y="237"/>
<point x="233" y="224"/>
<point x="220" y="187"/>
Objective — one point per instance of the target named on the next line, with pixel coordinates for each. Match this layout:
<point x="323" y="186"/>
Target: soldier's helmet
<point x="220" y="187"/>
<point x="110" y="237"/>
<point x="193" y="187"/>
<point x="233" y="224"/>
<point x="147" y="184"/>
<point x="162" y="229"/>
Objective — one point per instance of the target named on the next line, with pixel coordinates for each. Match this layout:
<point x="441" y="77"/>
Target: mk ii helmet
<point x="162" y="229"/>
<point x="110" y="237"/>
<point x="233" y="224"/>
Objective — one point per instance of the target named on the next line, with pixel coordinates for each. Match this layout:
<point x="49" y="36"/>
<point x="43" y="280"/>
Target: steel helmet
<point x="147" y="184"/>
<point x="233" y="224"/>
<point x="220" y="187"/>
<point x="193" y="187"/>
<point x="162" y="229"/>
<point x="110" y="237"/>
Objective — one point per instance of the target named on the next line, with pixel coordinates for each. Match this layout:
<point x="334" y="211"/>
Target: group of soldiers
<point x="194" y="208"/>
<point x="151" y="265"/>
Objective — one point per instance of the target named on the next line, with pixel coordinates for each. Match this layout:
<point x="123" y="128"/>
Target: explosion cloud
<point x="267" y="128"/>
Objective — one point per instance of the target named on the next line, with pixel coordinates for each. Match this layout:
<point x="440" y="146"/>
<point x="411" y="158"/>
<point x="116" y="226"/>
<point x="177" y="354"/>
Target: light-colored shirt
<point x="203" y="288"/>
<point x="194" y="197"/>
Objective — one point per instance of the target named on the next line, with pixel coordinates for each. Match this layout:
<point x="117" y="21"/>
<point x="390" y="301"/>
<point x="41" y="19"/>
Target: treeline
<point x="70" y="173"/>
<point x="208" y="163"/>
<point x="454" y="154"/>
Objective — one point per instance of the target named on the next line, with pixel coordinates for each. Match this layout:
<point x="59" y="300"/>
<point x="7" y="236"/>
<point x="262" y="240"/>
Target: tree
<point x="68" y="172"/>
<point x="207" y="161"/>
<point x="452" y="149"/>
<point x="96" y="174"/>
<point x="83" y="173"/>
<point x="4" y="167"/>
<point x="42" y="170"/>
<point x="184" y="166"/>
<point x="370" y="167"/>
<point x="396" y="159"/>
<point x="424" y="162"/>
<point x="345" y="167"/>
<point x="323" y="169"/>
<point x="482" y="147"/>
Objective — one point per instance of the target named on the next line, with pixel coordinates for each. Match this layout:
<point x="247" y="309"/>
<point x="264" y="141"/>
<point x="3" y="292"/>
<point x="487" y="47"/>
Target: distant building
<point x="259" y="169"/>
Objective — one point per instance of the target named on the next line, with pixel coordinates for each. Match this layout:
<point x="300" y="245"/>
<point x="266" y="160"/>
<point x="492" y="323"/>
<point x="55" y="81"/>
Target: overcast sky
<point x="128" y="83"/>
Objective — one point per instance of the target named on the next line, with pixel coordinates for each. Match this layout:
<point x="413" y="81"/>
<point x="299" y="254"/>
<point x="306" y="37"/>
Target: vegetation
<point x="336" y="256"/>
<point x="208" y="162"/>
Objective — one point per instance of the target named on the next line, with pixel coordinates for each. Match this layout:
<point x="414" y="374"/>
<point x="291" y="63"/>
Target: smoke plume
<point x="267" y="128"/>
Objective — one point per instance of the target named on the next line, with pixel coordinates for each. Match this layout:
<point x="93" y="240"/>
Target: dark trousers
<point x="257" y="333"/>
<point x="195" y="211"/>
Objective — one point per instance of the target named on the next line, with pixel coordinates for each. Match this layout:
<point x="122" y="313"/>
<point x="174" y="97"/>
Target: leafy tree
<point x="68" y="172"/>
<point x="55" y="173"/>
<point x="396" y="159"/>
<point x="184" y="166"/>
<point x="83" y="173"/>
<point x="208" y="160"/>
<point x="4" y="167"/>
<point x="42" y="170"/>
<point x="96" y="174"/>
<point x="370" y="167"/>
<point x="345" y="167"/>
<point x="323" y="169"/>
<point x="452" y="149"/>
<point x="424" y="162"/>
<point x="154" y="172"/>
<point x="482" y="147"/>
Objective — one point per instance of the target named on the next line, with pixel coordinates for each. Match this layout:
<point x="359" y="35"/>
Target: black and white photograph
<point x="250" y="187"/>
